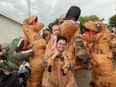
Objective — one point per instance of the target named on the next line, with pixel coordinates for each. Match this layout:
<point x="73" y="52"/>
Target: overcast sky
<point x="48" y="10"/>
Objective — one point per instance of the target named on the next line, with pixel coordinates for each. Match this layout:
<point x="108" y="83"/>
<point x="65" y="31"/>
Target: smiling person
<point x="59" y="74"/>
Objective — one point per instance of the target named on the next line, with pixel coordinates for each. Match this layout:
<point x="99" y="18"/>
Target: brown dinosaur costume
<point x="103" y="71"/>
<point x="68" y="28"/>
<point x="97" y="43"/>
<point x="31" y="28"/>
<point x="93" y="28"/>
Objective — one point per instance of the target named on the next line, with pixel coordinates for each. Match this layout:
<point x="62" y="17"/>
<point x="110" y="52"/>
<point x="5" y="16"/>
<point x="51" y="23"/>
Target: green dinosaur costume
<point x="14" y="54"/>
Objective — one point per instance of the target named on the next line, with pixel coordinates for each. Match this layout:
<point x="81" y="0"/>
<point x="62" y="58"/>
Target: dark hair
<point x="61" y="38"/>
<point x="45" y="34"/>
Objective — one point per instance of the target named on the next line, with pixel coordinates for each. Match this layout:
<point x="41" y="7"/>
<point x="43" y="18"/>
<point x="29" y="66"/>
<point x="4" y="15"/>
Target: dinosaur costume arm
<point x="70" y="55"/>
<point x="49" y="50"/>
<point x="23" y="55"/>
<point x="12" y="66"/>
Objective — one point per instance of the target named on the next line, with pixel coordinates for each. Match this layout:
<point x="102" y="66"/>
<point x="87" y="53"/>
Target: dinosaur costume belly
<point x="56" y="77"/>
<point x="103" y="70"/>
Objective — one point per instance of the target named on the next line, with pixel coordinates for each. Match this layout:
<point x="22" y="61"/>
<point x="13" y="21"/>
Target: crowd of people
<point x="57" y="54"/>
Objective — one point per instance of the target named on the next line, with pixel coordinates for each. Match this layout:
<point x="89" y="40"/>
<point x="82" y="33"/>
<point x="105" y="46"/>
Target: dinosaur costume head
<point x="30" y="20"/>
<point x="17" y="45"/>
<point x="69" y="25"/>
<point x="94" y="27"/>
<point x="31" y="28"/>
<point x="33" y="22"/>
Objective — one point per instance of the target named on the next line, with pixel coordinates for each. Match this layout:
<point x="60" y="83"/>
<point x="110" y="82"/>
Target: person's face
<point x="61" y="45"/>
<point x="56" y="30"/>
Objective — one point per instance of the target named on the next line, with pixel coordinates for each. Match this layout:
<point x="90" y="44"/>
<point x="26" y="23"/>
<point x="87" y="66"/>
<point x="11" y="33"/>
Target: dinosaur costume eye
<point x="98" y="26"/>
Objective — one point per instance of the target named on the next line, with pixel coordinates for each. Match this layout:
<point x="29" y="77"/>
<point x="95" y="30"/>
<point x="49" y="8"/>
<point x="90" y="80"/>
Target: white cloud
<point x="48" y="10"/>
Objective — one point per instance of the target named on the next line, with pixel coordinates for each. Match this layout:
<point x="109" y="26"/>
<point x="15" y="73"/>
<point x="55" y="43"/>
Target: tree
<point x="112" y="21"/>
<point x="87" y="18"/>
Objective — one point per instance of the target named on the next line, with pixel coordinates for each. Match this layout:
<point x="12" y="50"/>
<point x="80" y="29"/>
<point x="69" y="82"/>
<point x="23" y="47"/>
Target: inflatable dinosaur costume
<point x="103" y="71"/>
<point x="68" y="28"/>
<point x="93" y="28"/>
<point x="31" y="30"/>
<point x="14" y="55"/>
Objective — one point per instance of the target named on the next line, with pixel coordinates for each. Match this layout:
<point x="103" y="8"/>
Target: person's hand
<point x="56" y="53"/>
<point x="64" y="53"/>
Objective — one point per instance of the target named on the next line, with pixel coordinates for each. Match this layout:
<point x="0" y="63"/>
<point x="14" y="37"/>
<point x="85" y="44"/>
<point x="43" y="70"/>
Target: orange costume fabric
<point x="68" y="27"/>
<point x="31" y="30"/>
<point x="57" y="78"/>
<point x="50" y="79"/>
<point x="93" y="27"/>
<point x="104" y="73"/>
<point x="99" y="49"/>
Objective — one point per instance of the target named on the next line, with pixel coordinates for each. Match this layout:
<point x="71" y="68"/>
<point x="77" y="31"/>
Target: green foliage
<point x="112" y="21"/>
<point x="88" y="18"/>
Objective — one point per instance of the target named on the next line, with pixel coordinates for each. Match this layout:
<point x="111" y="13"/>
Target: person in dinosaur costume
<point x="93" y="28"/>
<point x="72" y="27"/>
<point x="57" y="77"/>
<point x="68" y="27"/>
<point x="9" y="63"/>
<point x="31" y="28"/>
<point x="103" y="70"/>
<point x="14" y="55"/>
<point x="100" y="46"/>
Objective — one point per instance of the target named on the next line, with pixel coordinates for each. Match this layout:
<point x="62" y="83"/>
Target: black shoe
<point x="49" y="68"/>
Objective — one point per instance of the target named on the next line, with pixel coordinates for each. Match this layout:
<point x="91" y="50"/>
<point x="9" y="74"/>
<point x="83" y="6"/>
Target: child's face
<point x="56" y="30"/>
